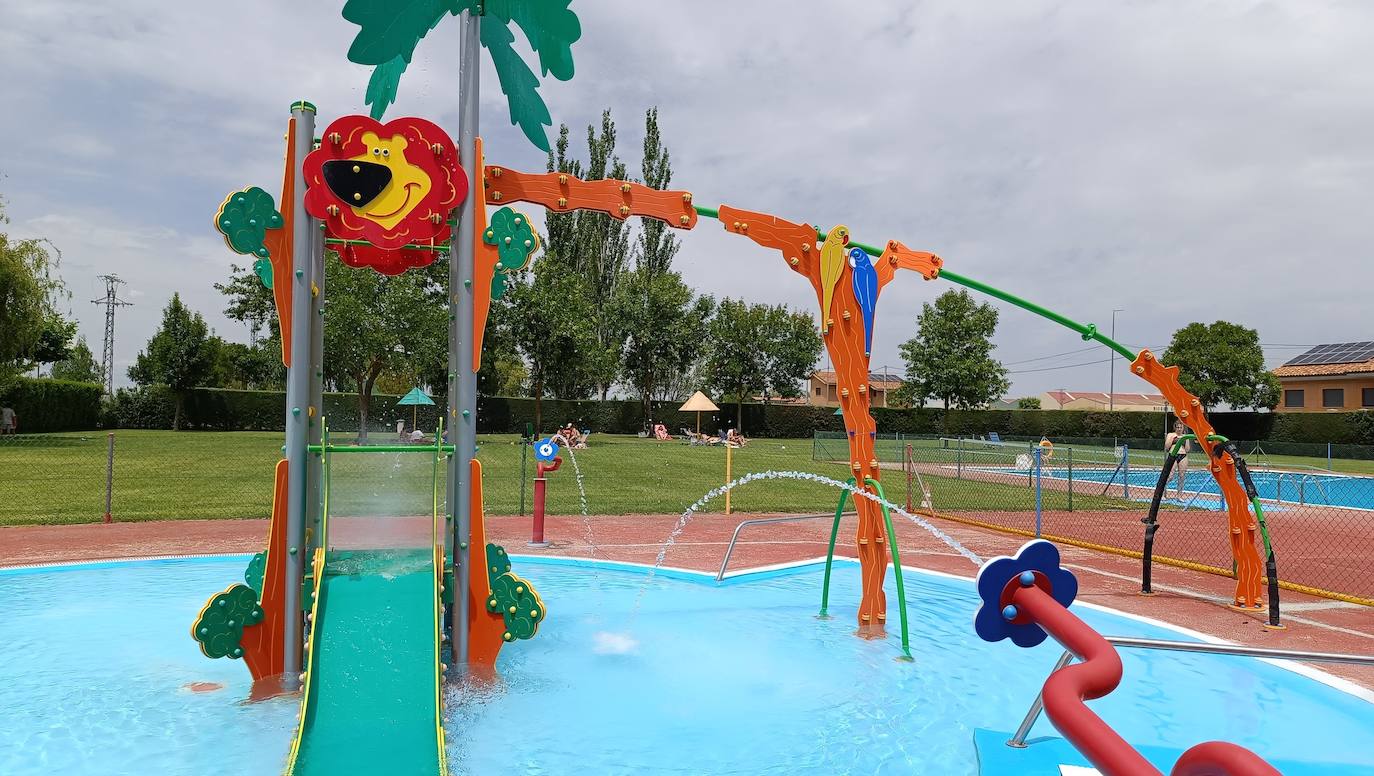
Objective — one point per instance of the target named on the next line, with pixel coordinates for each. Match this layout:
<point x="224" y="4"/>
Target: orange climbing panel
<point x="279" y="245"/>
<point x="484" y="627"/>
<point x="561" y="192"/>
<point x="484" y="258"/>
<point x="844" y="340"/>
<point x="897" y="256"/>
<point x="264" y="646"/>
<point x="1241" y="522"/>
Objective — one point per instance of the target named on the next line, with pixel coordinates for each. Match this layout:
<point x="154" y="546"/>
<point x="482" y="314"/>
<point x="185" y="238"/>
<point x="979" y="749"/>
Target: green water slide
<point x="371" y="702"/>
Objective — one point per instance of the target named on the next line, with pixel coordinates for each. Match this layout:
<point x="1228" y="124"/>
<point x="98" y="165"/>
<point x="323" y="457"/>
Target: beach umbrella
<point x="698" y="404"/>
<point x="415" y="398"/>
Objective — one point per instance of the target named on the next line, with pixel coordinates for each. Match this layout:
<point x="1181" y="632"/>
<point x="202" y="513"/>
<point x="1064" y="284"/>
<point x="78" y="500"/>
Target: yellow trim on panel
<point x="318" y="566"/>
<point x="438" y="658"/>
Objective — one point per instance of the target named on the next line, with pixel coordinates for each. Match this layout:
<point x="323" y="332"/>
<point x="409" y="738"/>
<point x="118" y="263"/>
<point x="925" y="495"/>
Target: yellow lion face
<point x="409" y="182"/>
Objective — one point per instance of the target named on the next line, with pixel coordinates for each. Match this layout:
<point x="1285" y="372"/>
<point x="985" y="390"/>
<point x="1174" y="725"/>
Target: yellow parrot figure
<point x="832" y="266"/>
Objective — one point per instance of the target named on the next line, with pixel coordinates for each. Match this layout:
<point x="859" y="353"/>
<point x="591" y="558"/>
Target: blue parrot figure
<point x="865" y="291"/>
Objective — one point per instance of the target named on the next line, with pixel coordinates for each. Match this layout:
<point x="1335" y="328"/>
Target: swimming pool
<point x="1289" y="487"/>
<point x="739" y="678"/>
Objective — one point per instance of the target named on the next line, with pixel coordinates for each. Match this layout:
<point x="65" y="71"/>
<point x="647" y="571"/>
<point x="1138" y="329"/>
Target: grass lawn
<point x="163" y="475"/>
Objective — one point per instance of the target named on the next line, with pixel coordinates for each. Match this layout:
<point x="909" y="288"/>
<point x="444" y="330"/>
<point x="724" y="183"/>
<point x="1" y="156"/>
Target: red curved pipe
<point x="1067" y="688"/>
<point x="1099" y="674"/>
<point x="1218" y="758"/>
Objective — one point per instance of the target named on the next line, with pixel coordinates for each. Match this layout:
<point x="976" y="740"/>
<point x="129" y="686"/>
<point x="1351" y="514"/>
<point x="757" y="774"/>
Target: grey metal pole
<point x="1111" y="371"/>
<point x="1070" y="479"/>
<point x="1018" y="739"/>
<point x="462" y="395"/>
<point x="314" y="488"/>
<point x="109" y="474"/>
<point x="298" y="378"/>
<point x="1038" y="513"/>
<point x="1126" y="471"/>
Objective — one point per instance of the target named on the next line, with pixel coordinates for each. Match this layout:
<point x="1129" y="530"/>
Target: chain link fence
<point x="1320" y="522"/>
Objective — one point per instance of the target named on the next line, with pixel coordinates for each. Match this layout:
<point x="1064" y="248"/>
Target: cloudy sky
<point x="1179" y="161"/>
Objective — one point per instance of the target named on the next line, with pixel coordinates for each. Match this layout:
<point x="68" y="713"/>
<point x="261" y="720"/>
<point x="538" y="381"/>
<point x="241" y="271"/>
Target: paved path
<point x="1189" y="599"/>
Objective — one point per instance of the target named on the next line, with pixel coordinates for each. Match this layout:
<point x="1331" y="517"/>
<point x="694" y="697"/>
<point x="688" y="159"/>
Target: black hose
<point x="1151" y="521"/>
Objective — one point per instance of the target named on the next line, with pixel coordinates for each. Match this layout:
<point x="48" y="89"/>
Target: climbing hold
<point x="1027" y="578"/>
<point x="1009" y="612"/>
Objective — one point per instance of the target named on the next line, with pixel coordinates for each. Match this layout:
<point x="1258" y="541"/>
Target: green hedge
<point x="229" y="410"/>
<point x="45" y="405"/>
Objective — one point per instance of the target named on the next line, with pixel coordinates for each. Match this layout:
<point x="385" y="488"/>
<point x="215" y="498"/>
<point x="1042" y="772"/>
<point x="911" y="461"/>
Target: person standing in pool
<point x="1181" y="465"/>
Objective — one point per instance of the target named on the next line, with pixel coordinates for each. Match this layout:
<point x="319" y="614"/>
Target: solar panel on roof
<point x="1335" y="353"/>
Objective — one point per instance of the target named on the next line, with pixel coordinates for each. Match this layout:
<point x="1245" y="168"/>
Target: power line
<point x="1061" y="367"/>
<point x="109" y="302"/>
<point x="1055" y="355"/>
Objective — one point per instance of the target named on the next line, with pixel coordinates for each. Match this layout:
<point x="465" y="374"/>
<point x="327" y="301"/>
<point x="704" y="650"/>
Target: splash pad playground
<point x="394" y="639"/>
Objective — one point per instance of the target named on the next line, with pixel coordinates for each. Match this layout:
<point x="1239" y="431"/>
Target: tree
<point x="1223" y="363"/>
<point x="255" y="367"/>
<point x="665" y="326"/>
<point x="180" y="355"/>
<point x="503" y="372"/>
<point x="374" y="324"/>
<point x="377" y="323"/>
<point x="754" y="349"/>
<point x="1028" y="403"/>
<point x="29" y="290"/>
<point x="657" y="245"/>
<point x="250" y="302"/>
<point x="549" y="313"/>
<point x="54" y="340"/>
<point x="950" y="357"/>
<point x="79" y="365"/>
<point x="789" y="347"/>
<point x="594" y="246"/>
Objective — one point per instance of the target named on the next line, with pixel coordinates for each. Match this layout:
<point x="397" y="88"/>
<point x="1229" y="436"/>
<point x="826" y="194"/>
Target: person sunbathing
<point x="661" y="432"/>
<point x="733" y="438"/>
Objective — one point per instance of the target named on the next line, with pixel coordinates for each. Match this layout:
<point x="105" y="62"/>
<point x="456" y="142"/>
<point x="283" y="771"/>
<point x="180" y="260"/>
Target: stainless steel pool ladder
<point x="1302" y="478"/>
<point x="760" y="520"/>
<point x="1018" y="740"/>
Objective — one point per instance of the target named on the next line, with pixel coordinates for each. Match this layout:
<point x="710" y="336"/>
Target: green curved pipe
<point x="1088" y="331"/>
<point x="896" y="565"/>
<point x="896" y="561"/>
<point x="830" y="551"/>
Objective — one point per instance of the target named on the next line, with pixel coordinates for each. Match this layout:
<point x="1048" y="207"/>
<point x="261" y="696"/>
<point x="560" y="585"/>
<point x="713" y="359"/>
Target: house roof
<point x="881" y="380"/>
<point x="1316" y="370"/>
<point x="1106" y="399"/>
<point x="1338" y="358"/>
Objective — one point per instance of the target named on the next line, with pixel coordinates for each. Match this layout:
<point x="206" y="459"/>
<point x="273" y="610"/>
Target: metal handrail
<point x="757" y="521"/>
<point x="1018" y="739"/>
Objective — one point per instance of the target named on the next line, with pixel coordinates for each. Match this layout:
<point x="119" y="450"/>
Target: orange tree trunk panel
<point x="1241" y="523"/>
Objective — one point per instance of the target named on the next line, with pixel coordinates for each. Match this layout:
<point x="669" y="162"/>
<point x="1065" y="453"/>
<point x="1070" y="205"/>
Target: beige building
<point x="1099" y="401"/>
<point x="822" y="389"/>
<point x="1329" y="378"/>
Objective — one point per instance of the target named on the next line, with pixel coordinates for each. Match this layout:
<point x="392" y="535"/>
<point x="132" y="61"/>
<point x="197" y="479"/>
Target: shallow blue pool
<point x="740" y="678"/>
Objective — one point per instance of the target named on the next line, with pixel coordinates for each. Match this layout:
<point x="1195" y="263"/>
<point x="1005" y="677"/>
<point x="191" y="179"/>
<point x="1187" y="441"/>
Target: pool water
<point x="1333" y="490"/>
<point x="738" y="678"/>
